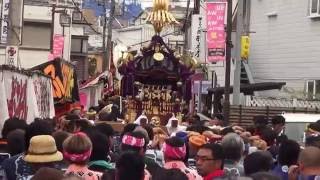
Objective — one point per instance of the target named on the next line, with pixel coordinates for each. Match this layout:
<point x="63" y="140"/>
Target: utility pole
<point x="239" y="33"/>
<point x="184" y="28"/>
<point x="109" y="37"/>
<point x="104" y="37"/>
<point x="53" y="12"/>
<point x="226" y="104"/>
<point x="11" y="28"/>
<point x="196" y="6"/>
<point x="15" y="22"/>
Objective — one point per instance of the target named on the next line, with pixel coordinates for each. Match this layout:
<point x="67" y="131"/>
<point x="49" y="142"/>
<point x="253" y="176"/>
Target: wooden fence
<point x="243" y="115"/>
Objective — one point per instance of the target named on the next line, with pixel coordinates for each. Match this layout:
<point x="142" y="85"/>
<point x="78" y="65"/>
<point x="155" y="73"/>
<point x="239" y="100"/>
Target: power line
<point x="150" y="39"/>
<point x="90" y="25"/>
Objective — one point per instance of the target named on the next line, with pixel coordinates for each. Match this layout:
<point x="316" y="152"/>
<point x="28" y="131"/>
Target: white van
<point x="296" y="124"/>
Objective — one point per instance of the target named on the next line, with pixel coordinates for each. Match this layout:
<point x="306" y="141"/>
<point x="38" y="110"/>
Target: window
<point x="76" y="45"/>
<point x="31" y="32"/>
<point x="177" y="30"/>
<point x="313" y="89"/>
<point x="79" y="44"/>
<point x="176" y="45"/>
<point x="68" y="2"/>
<point x="317" y="94"/>
<point x="314" y="8"/>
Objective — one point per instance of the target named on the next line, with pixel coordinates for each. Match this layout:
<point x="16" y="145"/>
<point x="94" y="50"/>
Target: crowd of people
<point x="78" y="148"/>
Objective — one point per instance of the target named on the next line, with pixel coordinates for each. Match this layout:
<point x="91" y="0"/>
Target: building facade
<point x="37" y="29"/>
<point x="33" y="50"/>
<point x="285" y="46"/>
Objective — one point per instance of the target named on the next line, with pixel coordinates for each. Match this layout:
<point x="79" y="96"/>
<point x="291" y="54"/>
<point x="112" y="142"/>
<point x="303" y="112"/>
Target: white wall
<point x="28" y="58"/>
<point x="38" y="13"/>
<point x="284" y="48"/>
<point x="134" y="35"/>
<point x="34" y="56"/>
<point x="43" y="14"/>
<point x="31" y="57"/>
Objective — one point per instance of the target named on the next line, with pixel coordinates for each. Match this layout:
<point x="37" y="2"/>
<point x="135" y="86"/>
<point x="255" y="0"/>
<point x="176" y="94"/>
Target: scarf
<point x="214" y="174"/>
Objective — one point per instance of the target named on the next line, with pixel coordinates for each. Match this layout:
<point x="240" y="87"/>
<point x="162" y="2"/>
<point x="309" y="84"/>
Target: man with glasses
<point x="209" y="161"/>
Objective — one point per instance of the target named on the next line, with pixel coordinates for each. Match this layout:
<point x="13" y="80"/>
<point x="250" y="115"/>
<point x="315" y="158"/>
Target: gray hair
<point x="233" y="146"/>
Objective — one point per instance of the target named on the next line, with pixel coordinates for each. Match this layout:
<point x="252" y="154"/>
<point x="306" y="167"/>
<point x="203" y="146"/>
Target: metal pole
<point x="109" y="37"/>
<point x="226" y="106"/>
<point x="53" y="11"/>
<point x="70" y="37"/>
<point x="185" y="46"/>
<point x="237" y="72"/>
<point x="196" y="7"/>
<point x="206" y="49"/>
<point x="200" y="97"/>
<point x="141" y="36"/>
<point x="213" y="84"/>
<point x="104" y="39"/>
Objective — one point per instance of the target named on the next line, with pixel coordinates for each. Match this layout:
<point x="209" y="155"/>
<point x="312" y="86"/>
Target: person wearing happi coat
<point x="175" y="151"/>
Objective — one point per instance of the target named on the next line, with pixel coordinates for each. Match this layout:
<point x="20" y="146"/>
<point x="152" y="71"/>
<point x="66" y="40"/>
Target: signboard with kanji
<point x="12" y="55"/>
<point x="5" y="21"/>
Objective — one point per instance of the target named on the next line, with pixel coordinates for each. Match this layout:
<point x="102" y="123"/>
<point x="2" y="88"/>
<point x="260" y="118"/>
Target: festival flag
<point x="4" y="115"/>
<point x="43" y="92"/>
<point x="216" y="35"/>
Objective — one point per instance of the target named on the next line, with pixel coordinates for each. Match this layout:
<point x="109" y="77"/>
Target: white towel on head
<point x="172" y="130"/>
<point x="252" y="149"/>
<point x="142" y="116"/>
<point x="170" y="120"/>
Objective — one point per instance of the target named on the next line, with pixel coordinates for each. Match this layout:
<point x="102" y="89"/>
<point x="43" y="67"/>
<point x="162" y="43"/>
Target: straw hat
<point x="43" y="149"/>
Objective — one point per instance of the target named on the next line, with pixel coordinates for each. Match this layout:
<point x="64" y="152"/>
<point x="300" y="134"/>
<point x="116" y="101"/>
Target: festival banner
<point x="64" y="80"/>
<point x="4" y="115"/>
<point x="92" y="91"/>
<point x="84" y="100"/>
<point x="58" y="45"/>
<point x="33" y="111"/>
<point x="197" y="37"/>
<point x="20" y="95"/>
<point x="25" y="95"/>
<point x="5" y="21"/>
<point x="216" y="36"/>
<point x="44" y="98"/>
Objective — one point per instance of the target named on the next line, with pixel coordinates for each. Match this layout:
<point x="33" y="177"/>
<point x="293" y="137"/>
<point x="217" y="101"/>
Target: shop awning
<point x="94" y="81"/>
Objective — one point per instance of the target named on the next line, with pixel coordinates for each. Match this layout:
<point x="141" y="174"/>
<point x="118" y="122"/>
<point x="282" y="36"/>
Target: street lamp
<point x="65" y="20"/>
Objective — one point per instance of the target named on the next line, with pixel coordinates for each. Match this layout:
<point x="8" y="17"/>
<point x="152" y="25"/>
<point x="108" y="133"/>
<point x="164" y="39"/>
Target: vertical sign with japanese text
<point x="58" y="45"/>
<point x="216" y="36"/>
<point x="4" y="21"/>
<point x="197" y="47"/>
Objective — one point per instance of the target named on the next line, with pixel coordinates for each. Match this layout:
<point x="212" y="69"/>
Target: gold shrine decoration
<point x="160" y="17"/>
<point x="158" y="56"/>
